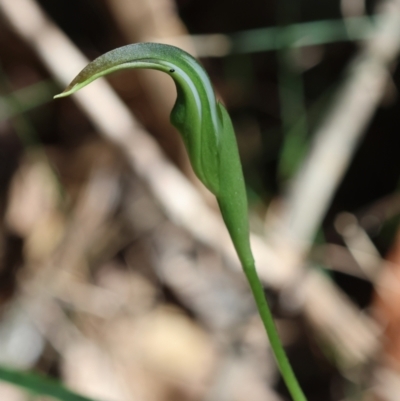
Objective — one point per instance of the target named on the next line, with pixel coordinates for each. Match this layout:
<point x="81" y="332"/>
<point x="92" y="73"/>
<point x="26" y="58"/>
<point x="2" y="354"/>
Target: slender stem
<point x="268" y="321"/>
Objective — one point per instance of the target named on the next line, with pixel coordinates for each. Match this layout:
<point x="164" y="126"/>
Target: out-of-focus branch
<point x="311" y="190"/>
<point x="179" y="199"/>
<point x="314" y="185"/>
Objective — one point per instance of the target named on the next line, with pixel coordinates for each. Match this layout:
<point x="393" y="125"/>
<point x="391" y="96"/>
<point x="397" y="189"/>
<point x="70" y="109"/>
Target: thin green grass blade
<point x="26" y="99"/>
<point x="40" y="385"/>
<point x="304" y="34"/>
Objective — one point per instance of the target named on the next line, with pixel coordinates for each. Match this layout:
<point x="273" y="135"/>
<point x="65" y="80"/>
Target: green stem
<point x="268" y="321"/>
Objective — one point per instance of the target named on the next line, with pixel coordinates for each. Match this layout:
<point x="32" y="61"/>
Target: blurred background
<point x="117" y="276"/>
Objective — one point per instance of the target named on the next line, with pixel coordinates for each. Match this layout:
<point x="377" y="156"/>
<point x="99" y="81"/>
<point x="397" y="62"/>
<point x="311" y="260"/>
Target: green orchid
<point x="209" y="138"/>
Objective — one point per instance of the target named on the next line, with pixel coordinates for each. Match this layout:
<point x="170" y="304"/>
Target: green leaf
<point x="40" y="385"/>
